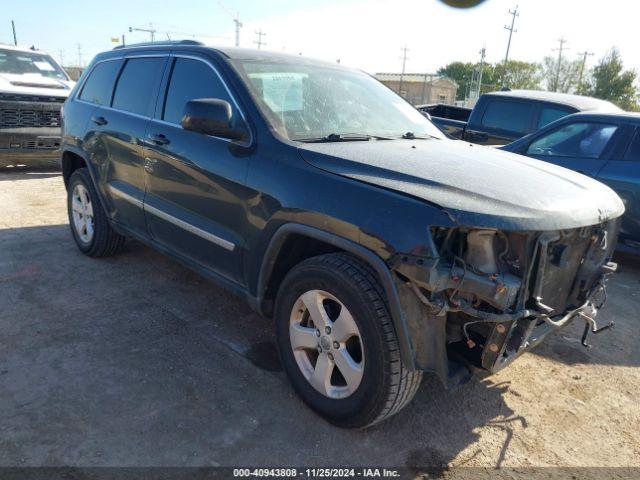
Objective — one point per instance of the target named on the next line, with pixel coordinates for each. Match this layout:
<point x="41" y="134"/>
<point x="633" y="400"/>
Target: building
<point x="74" y="72"/>
<point x="421" y="88"/>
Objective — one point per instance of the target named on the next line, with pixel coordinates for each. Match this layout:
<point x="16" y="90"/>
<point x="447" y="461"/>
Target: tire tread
<point x="106" y="241"/>
<point x="403" y="383"/>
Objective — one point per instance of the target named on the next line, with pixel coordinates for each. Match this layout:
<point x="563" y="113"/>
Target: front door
<point x="195" y="200"/>
<point x="622" y="174"/>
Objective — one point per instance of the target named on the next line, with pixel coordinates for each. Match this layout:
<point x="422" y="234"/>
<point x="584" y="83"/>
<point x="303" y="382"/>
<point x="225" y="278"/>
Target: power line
<point x="513" y="14"/>
<point x="404" y="64"/>
<point x="584" y="61"/>
<point x="562" y="41"/>
<point x="259" y="42"/>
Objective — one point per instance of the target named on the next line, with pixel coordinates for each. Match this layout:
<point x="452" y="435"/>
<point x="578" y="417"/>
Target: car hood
<point x="477" y="186"/>
<point x="34" y="84"/>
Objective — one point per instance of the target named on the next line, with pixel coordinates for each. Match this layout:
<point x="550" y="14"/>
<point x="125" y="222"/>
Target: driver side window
<point x="575" y="140"/>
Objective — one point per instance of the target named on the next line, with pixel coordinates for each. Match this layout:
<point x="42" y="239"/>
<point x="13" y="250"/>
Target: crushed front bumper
<point x="505" y="345"/>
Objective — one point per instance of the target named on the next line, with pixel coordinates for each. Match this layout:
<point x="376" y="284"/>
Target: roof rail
<point x="160" y="43"/>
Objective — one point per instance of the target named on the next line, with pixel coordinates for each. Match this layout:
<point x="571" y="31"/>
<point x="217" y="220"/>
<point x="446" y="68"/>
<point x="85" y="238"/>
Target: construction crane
<point x="236" y="21"/>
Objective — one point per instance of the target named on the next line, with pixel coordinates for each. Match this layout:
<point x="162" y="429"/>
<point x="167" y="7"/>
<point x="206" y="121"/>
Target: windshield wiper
<point x="343" y="137"/>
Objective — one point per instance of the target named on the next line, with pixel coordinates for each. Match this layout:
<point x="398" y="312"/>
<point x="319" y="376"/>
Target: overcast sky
<point x="362" y="34"/>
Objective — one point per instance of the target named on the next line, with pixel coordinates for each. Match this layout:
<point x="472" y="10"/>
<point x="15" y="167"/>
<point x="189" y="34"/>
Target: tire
<point x="376" y="385"/>
<point x="97" y="238"/>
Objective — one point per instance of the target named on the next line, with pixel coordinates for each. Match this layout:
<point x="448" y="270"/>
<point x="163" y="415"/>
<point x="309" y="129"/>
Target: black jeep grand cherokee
<point x="382" y="249"/>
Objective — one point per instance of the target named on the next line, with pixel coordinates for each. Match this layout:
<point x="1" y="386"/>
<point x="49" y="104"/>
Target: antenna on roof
<point x="13" y="28"/>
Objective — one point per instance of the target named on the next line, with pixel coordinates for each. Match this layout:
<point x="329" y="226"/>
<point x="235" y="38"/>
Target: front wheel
<point x="337" y="342"/>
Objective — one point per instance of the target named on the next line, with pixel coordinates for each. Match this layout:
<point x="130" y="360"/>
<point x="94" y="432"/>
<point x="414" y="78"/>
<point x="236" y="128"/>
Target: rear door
<point x="121" y="130"/>
<point x="196" y="197"/>
<point x="501" y="121"/>
<point x="580" y="145"/>
<point x="622" y="174"/>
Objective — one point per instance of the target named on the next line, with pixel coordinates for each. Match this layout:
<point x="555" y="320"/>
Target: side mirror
<point x="211" y="116"/>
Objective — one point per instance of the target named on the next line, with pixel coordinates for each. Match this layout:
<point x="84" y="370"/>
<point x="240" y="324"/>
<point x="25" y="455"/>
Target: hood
<point x="35" y="84"/>
<point x="477" y="186"/>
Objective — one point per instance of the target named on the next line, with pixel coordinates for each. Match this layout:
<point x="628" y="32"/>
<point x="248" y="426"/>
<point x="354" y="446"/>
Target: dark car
<point x="502" y="117"/>
<point x="382" y="249"/>
<point x="604" y="146"/>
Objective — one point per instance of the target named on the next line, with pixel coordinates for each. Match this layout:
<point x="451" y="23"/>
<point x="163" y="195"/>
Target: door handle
<point x="99" y="120"/>
<point x="158" y="139"/>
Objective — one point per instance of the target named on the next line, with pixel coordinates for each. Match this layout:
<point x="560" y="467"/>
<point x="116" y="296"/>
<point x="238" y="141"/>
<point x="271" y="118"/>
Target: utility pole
<point x="13" y="28"/>
<point x="562" y="41"/>
<point x="475" y="84"/>
<point x="259" y="42"/>
<point x="151" y="31"/>
<point x="483" y="53"/>
<point x="236" y="21"/>
<point x="61" y="57"/>
<point x="404" y="64"/>
<point x="513" y="14"/>
<point x="584" y="62"/>
<point x="79" y="55"/>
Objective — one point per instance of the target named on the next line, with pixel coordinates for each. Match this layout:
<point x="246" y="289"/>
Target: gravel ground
<point x="135" y="360"/>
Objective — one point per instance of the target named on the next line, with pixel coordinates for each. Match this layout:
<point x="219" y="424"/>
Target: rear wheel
<point x="88" y="220"/>
<point x="337" y="342"/>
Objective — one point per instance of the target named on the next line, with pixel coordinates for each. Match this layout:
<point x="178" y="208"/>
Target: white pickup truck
<point x="33" y="87"/>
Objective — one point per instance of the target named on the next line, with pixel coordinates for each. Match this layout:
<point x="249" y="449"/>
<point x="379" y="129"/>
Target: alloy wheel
<point x="326" y="344"/>
<point x="82" y="210"/>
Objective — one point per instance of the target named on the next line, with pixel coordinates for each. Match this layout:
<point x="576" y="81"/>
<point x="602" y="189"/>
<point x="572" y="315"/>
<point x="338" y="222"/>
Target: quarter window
<point x="577" y="140"/>
<point x="99" y="86"/>
<point x="507" y="115"/>
<point x="191" y="79"/>
<point x="137" y="85"/>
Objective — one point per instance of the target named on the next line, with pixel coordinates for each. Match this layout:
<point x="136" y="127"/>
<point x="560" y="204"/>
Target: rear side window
<point x="550" y="114"/>
<point x="137" y="85"/>
<point x="576" y="140"/>
<point x="507" y="115"/>
<point x="191" y="79"/>
<point x="99" y="86"/>
<point x="633" y="152"/>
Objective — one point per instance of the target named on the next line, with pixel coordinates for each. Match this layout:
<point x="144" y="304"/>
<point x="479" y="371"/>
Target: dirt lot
<point x="135" y="360"/>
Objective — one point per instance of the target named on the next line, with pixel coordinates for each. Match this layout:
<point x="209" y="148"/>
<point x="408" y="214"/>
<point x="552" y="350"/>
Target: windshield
<point x="19" y="63"/>
<point x="303" y="102"/>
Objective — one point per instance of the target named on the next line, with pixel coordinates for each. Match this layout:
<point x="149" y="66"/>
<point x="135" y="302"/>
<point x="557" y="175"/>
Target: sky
<point x="363" y="34"/>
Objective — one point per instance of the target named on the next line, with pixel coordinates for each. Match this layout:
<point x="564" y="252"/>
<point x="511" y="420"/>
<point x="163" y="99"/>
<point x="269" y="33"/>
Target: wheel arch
<point x="71" y="161"/>
<point x="279" y="258"/>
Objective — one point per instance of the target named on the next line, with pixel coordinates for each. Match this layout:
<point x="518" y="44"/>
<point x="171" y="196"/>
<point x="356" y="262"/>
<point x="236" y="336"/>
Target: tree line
<point x="608" y="79"/>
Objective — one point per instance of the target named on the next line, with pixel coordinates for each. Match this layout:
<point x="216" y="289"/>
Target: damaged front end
<point x="481" y="297"/>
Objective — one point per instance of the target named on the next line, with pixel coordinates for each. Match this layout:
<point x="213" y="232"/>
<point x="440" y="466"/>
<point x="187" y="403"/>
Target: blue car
<point x="604" y="146"/>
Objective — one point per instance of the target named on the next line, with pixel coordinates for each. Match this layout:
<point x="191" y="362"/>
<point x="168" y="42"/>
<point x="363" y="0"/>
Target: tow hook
<point x="591" y="325"/>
